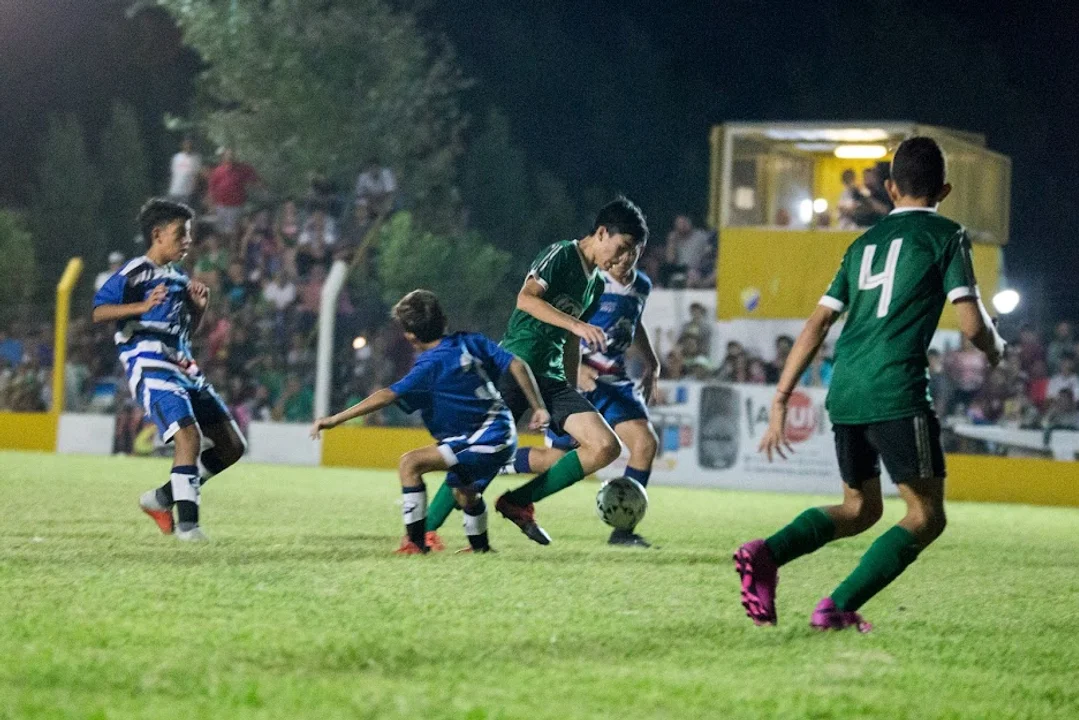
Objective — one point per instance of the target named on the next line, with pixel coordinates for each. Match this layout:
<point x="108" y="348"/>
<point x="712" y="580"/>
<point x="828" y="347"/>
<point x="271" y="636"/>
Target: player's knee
<point x="465" y="499"/>
<point x="926" y="523"/>
<point x="870" y="512"/>
<point x="608" y="449"/>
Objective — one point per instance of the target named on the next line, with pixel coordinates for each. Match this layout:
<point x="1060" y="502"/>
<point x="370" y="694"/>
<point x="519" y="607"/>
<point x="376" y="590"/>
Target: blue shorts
<point x="616" y="403"/>
<point x="474" y="466"/>
<point x="174" y="406"/>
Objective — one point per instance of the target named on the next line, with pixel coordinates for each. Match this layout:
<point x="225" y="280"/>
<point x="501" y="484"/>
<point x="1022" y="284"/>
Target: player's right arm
<point x="105" y="311"/>
<point x="372" y="403"/>
<point x="530" y="300"/>
<point x="976" y="326"/>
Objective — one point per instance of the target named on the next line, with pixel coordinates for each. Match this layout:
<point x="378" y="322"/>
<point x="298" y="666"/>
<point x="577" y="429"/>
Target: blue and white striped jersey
<point x="155" y="347"/>
<point x="620" y="308"/>
<point x="453" y="387"/>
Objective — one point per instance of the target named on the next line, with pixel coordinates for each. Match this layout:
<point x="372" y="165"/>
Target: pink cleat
<point x="828" y="617"/>
<point x="760" y="576"/>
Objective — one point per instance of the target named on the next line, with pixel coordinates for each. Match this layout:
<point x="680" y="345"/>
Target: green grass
<point x="297" y="609"/>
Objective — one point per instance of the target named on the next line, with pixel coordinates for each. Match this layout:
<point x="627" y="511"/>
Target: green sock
<point x="562" y="474"/>
<point x="440" y="507"/>
<point x="807" y="533"/>
<point x="884" y="561"/>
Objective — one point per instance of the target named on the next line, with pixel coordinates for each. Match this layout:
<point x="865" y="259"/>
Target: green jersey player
<point x="560" y="292"/>
<point x="893" y="284"/>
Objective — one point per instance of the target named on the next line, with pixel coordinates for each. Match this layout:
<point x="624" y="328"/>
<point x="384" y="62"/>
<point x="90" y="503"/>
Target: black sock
<point x="187" y="512"/>
<point x="414" y="508"/>
<point x="184" y="482"/>
<point x="164" y="494"/>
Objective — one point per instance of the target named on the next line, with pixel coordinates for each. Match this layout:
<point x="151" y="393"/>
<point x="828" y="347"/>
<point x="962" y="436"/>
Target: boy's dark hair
<point x="621" y="215"/>
<point x="420" y="314"/>
<point x="159" y="211"/>
<point x="918" y="168"/>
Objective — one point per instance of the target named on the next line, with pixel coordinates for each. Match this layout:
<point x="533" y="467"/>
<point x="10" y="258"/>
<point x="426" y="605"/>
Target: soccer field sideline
<point x="297" y="608"/>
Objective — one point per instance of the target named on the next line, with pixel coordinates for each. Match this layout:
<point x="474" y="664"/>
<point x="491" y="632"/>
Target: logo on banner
<point x="802" y="417"/>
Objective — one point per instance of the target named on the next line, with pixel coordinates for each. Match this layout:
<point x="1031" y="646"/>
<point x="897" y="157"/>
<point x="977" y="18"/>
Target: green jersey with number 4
<point x="570" y="287"/>
<point x="893" y="283"/>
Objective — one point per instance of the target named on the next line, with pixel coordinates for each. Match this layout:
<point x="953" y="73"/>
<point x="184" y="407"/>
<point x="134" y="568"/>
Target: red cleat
<point x="524" y="518"/>
<point x="409" y="548"/>
<point x="160" y="514"/>
<point x="434" y="542"/>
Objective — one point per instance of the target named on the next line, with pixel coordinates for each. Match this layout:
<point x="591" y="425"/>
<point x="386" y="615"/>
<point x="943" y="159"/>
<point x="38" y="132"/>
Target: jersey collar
<point x="897" y="211"/>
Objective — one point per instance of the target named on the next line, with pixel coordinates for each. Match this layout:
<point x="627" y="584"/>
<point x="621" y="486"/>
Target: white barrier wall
<point x="275" y="443"/>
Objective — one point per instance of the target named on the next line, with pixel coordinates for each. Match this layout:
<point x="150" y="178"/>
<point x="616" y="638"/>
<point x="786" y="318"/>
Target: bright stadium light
<point x="1006" y="301"/>
<point x="359" y="343"/>
<point x="820" y="205"/>
<point x="861" y="152"/>
<point x="805" y="210"/>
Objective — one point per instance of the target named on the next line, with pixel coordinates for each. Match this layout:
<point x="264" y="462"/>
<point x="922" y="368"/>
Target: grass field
<point x="297" y="609"/>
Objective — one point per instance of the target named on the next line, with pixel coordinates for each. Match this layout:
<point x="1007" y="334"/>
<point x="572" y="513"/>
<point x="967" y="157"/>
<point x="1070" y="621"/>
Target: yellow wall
<point x="791" y="269"/>
<point x="984" y="478"/>
<point x="375" y="447"/>
<point x="28" y="431"/>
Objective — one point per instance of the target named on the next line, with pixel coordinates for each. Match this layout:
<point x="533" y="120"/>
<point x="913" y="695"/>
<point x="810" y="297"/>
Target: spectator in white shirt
<point x="116" y="261"/>
<point x="1064" y="379"/>
<point x="686" y="247"/>
<point x="375" y="188"/>
<point x="280" y="291"/>
<point x="184" y="177"/>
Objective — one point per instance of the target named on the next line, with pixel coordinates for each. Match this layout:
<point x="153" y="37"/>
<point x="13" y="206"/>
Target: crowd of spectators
<point x="265" y="262"/>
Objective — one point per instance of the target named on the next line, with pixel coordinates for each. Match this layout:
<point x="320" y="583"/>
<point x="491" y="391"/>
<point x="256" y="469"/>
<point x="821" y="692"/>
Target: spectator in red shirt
<point x="1030" y="348"/>
<point x="228" y="192"/>
<point x="1038" y="384"/>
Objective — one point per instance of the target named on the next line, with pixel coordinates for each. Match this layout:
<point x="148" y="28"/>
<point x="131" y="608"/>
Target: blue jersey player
<point x="603" y="378"/>
<point x="453" y="385"/>
<point x="155" y="306"/>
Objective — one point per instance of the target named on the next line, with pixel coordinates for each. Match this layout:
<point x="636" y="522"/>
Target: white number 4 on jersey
<point x="885" y="279"/>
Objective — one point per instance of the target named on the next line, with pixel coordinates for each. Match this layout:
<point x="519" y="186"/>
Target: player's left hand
<point x="199" y="293"/>
<point x="649" y="386"/>
<point x="775" y="438"/>
<point x="540" y="420"/>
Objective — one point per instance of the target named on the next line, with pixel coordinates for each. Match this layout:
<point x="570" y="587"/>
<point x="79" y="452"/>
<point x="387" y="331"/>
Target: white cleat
<point x="194" y="534"/>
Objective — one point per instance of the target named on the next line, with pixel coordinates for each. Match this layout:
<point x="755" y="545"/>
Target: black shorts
<point x="910" y="448"/>
<point x="561" y="399"/>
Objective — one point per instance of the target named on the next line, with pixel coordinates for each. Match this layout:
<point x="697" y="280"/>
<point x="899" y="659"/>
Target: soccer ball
<point x="621" y="503"/>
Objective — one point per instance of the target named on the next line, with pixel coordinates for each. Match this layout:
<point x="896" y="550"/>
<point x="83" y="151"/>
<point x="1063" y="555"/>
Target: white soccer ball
<point x="621" y="503"/>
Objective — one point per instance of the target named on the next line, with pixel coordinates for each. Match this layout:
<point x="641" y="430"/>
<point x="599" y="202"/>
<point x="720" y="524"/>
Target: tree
<point x="66" y="203"/>
<point x="124" y="173"/>
<point x="18" y="271"/>
<point x="302" y="85"/>
<point x="519" y="208"/>
<point x="467" y="273"/>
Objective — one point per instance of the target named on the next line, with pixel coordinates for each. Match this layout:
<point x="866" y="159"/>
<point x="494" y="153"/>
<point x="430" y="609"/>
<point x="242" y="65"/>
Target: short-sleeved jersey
<point x="570" y="287"/>
<point x="155" y="347"/>
<point x="619" y="310"/>
<point x="453" y="387"/>
<point x="892" y="283"/>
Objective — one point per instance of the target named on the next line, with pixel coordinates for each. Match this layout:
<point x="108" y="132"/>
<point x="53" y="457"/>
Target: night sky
<point x="620" y="95"/>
